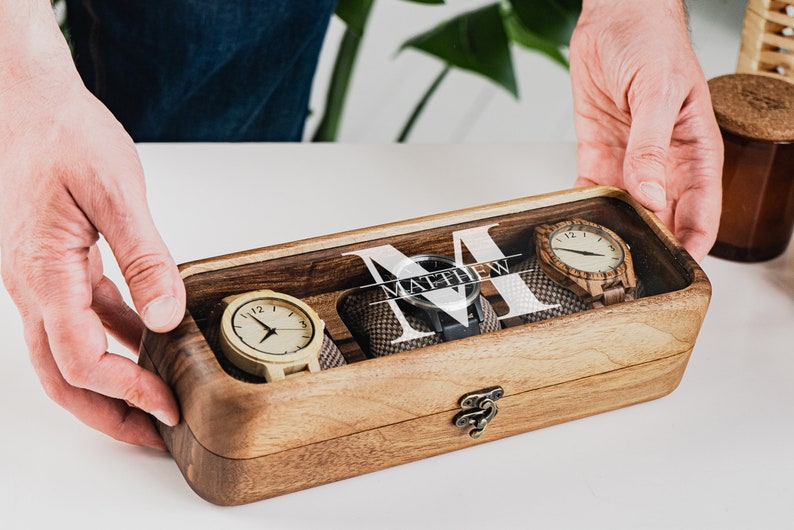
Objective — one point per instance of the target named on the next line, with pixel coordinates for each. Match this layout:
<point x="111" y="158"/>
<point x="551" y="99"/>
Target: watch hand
<point x="270" y="333"/>
<point x="582" y="252"/>
<point x="267" y="328"/>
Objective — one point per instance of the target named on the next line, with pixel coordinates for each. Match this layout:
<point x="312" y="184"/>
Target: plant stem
<point x="328" y="129"/>
<point x="422" y="103"/>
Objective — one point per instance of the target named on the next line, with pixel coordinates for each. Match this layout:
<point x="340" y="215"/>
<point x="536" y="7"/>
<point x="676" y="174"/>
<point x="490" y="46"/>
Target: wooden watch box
<point x="239" y="441"/>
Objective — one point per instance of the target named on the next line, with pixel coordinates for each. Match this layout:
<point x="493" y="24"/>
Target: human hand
<point x="68" y="173"/>
<point x="643" y="114"/>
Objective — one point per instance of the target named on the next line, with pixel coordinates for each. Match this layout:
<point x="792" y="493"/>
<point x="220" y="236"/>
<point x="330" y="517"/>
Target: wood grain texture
<point x="375" y="413"/>
<point x="765" y="49"/>
<point x="227" y="481"/>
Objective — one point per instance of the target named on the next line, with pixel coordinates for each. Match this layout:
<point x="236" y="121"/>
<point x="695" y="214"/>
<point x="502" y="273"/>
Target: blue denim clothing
<point x="201" y="70"/>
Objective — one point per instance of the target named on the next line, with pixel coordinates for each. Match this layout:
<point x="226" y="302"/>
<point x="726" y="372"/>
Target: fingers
<point x="697" y="212"/>
<point x="77" y="343"/>
<point x="695" y="227"/>
<point x="87" y="179"/>
<point x="55" y="284"/>
<point x="643" y="116"/>
<point x="672" y="164"/>
<point x="653" y="117"/>
<point x="582" y="182"/>
<point x="599" y="163"/>
<point x="111" y="416"/>
<point x="117" y="317"/>
<point x="152" y="276"/>
<point x="117" y="206"/>
<point x="84" y="364"/>
<point x="63" y="319"/>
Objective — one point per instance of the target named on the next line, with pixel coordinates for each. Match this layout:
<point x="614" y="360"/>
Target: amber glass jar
<point x="756" y="117"/>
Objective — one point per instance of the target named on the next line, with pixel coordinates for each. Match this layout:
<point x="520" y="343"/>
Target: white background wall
<point x="466" y="108"/>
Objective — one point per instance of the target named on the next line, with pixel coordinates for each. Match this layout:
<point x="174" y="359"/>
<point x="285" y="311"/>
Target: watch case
<point x="240" y="440"/>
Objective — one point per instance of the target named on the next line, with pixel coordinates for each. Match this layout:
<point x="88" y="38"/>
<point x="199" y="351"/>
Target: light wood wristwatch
<point x="589" y="259"/>
<point x="270" y="334"/>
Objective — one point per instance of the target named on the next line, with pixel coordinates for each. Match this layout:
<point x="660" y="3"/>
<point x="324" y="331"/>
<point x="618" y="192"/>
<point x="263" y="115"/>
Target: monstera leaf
<point x="475" y="41"/>
<point x="551" y="20"/>
<point x="354" y="13"/>
<point x="544" y="26"/>
<point x="519" y="34"/>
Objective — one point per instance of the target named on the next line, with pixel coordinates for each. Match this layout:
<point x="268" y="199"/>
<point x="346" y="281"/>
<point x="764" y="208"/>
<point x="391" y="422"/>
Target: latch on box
<point x="479" y="408"/>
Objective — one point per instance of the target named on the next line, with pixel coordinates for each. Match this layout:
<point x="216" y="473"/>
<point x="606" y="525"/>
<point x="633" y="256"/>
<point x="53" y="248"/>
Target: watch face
<point x="586" y="248"/>
<point x="272" y="326"/>
<point x="429" y="286"/>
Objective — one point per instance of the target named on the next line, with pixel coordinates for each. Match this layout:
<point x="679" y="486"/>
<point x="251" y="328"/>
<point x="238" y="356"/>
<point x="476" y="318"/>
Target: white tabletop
<point x="716" y="453"/>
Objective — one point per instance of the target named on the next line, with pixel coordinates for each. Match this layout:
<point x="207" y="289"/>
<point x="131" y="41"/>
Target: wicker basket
<point x="768" y="39"/>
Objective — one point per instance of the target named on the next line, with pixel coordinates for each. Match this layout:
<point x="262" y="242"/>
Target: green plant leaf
<point x="521" y="35"/>
<point x="354" y="13"/>
<point x="420" y="107"/>
<point x="552" y="20"/>
<point x="475" y="41"/>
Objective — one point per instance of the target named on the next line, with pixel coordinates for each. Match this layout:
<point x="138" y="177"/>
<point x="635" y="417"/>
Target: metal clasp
<point x="479" y="408"/>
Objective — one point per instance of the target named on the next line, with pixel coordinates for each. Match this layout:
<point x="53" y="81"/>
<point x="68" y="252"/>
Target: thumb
<point x="150" y="272"/>
<point x="645" y="162"/>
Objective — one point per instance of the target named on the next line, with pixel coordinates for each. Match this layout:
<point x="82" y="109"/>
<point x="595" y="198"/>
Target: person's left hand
<point x="643" y="114"/>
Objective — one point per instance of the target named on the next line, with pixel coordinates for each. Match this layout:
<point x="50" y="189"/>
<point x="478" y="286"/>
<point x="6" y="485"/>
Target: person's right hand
<point x="69" y="172"/>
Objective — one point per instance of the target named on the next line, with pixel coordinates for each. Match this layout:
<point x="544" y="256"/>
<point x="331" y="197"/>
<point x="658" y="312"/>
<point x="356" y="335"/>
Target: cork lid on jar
<point x="754" y="106"/>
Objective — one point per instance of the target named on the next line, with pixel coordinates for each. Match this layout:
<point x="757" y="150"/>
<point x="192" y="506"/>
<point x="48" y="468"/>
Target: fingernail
<point x="654" y="193"/>
<point x="160" y="312"/>
<point x="162" y="417"/>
